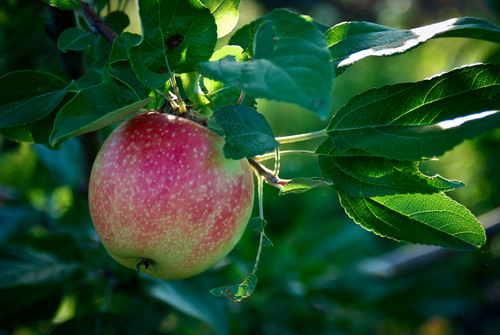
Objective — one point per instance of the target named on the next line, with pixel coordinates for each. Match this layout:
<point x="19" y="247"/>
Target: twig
<point x="97" y="23"/>
<point x="268" y="175"/>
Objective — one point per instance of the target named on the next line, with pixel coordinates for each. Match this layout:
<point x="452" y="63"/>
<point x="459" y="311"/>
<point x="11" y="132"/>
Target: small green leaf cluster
<point x="372" y="145"/>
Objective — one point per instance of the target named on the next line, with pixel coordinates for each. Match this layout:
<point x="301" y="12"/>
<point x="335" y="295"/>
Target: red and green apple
<point x="165" y="200"/>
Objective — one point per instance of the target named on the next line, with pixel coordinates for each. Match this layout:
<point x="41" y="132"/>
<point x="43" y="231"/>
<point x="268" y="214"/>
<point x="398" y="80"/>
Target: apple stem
<point x="302" y="137"/>
<point x="146" y="262"/>
<point x="169" y="98"/>
<point x="180" y="102"/>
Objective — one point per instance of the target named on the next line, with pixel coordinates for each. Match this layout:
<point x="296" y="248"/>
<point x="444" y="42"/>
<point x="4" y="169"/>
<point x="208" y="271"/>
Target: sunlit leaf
<point x="225" y="13"/>
<point x="191" y="85"/>
<point x="433" y="219"/>
<point x="377" y="176"/>
<point x="237" y="292"/>
<point x="290" y="63"/>
<point x="221" y="94"/>
<point x="403" y="121"/>
<point x="350" y="42"/>
<point x="64" y="4"/>
<point x="177" y="35"/>
<point x="301" y="185"/>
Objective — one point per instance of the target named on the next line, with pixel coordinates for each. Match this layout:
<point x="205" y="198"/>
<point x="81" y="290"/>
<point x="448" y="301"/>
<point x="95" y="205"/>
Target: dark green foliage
<point x="246" y="132"/>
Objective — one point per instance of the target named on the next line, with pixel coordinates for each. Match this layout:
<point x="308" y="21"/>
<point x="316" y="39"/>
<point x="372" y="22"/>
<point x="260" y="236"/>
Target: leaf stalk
<point x="97" y="23"/>
<point x="302" y="137"/>
<point x="272" y="155"/>
<point x="177" y="92"/>
<point x="267" y="174"/>
<point x="260" y="188"/>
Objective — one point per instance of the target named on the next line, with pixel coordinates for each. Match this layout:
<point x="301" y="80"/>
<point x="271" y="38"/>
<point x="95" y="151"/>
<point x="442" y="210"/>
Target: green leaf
<point x="64" y="4"/>
<point x="36" y="132"/>
<point x="377" y="176"/>
<point x="241" y="37"/>
<point x="225" y="13"/>
<point x="123" y="73"/>
<point x="190" y="299"/>
<point x="32" y="281"/>
<point x="94" y="108"/>
<point x="266" y="241"/>
<point x="191" y="84"/>
<point x="29" y="96"/>
<point x="432" y="219"/>
<point x="121" y="45"/>
<point x="403" y="121"/>
<point x="301" y="185"/>
<point x="246" y="132"/>
<point x="350" y="42"/>
<point x="21" y="266"/>
<point x="177" y="35"/>
<point x="73" y="39"/>
<point x="224" y="94"/>
<point x="15" y="219"/>
<point x="290" y="63"/>
<point x="29" y="101"/>
<point x="117" y="21"/>
<point x="237" y="292"/>
<point x="64" y="164"/>
<point x="257" y="224"/>
<point x="119" y="67"/>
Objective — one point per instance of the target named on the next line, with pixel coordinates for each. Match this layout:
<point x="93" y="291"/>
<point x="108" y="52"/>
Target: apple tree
<point x="189" y="63"/>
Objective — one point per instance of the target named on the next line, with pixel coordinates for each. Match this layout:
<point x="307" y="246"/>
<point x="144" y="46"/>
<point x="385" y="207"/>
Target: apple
<point x="165" y="200"/>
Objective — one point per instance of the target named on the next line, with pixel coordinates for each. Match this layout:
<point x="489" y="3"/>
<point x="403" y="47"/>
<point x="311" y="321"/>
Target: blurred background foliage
<point x="324" y="275"/>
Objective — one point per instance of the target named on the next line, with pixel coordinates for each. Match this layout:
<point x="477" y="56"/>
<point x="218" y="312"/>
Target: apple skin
<point x="165" y="200"/>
